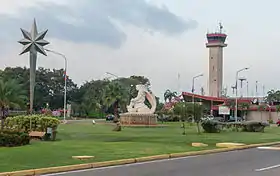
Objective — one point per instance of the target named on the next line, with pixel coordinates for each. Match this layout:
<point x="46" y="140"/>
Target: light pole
<point x="65" y="80"/>
<point x="112" y="74"/>
<point x="247" y="88"/>
<point x="195" y="77"/>
<point x="236" y="88"/>
<point x="241" y="85"/>
<point x="194" y="80"/>
<point x="257" y="89"/>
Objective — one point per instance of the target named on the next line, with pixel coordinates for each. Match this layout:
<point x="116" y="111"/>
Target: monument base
<point x="133" y="119"/>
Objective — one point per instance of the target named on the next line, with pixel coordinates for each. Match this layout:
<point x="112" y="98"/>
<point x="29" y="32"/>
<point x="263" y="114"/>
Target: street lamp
<point x="194" y="80"/>
<point x="241" y="85"/>
<point x="195" y="77"/>
<point x="112" y="74"/>
<point x="65" y="80"/>
<point x="236" y="89"/>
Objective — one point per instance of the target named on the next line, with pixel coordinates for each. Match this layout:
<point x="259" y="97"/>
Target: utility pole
<point x="256" y="88"/>
<point x="247" y="89"/>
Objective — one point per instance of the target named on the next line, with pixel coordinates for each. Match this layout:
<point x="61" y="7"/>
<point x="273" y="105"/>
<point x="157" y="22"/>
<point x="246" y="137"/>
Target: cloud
<point x="96" y="21"/>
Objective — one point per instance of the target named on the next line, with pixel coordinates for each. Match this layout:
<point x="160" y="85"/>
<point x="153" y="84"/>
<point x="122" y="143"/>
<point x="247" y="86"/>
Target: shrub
<point x="211" y="126"/>
<point x="10" y="138"/>
<point x="234" y="126"/>
<point x="270" y="121"/>
<point x="254" y="126"/>
<point x="33" y="123"/>
<point x="36" y="122"/>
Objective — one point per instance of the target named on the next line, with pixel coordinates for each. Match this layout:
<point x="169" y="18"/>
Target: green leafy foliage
<point x="233" y="126"/>
<point x="168" y="95"/>
<point x="212" y="126"/>
<point x="49" y="85"/>
<point x="12" y="95"/>
<point x="10" y="138"/>
<point x="254" y="126"/>
<point x="93" y="97"/>
<point x="36" y="122"/>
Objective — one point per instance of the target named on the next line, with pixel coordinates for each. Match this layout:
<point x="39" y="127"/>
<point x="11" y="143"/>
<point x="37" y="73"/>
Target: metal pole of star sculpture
<point x="33" y="42"/>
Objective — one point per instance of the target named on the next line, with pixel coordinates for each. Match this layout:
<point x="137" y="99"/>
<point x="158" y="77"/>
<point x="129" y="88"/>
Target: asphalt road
<point x="251" y="162"/>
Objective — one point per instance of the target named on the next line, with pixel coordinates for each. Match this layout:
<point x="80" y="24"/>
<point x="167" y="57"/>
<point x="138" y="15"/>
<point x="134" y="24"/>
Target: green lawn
<point x="101" y="142"/>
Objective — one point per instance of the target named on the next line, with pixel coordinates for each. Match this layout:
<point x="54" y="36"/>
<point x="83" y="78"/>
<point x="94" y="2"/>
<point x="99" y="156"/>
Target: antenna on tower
<point x="221" y="27"/>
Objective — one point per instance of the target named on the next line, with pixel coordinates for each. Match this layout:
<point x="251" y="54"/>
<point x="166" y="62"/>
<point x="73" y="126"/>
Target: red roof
<point x="209" y="98"/>
<point x="218" y="99"/>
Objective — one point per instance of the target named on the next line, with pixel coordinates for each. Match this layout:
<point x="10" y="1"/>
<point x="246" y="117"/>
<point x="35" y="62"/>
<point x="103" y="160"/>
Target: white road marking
<point x="269" y="148"/>
<point x="267" y="168"/>
<point x="120" y="166"/>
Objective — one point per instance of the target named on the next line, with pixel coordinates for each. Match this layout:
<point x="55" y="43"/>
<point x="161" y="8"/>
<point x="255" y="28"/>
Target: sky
<point x="159" y="39"/>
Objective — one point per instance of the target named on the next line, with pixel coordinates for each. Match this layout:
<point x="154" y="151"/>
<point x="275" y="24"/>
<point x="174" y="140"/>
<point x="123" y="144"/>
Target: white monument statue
<point x="137" y="104"/>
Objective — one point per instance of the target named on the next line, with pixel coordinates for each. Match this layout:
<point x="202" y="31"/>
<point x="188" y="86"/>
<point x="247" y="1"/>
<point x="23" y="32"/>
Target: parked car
<point x="109" y="117"/>
<point x="232" y="119"/>
<point x="220" y="119"/>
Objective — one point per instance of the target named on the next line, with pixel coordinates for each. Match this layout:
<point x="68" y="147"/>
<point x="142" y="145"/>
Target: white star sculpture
<point x="33" y="41"/>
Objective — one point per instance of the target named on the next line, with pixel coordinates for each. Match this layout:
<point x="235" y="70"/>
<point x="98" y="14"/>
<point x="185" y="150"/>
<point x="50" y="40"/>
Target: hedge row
<point x="212" y="126"/>
<point x="9" y="138"/>
<point x="31" y="123"/>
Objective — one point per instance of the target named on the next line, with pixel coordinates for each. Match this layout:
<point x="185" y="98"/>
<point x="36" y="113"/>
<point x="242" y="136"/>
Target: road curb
<point x="34" y="172"/>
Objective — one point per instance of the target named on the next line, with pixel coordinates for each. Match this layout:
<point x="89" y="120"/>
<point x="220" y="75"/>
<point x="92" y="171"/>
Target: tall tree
<point x="244" y="107"/>
<point x="185" y="110"/>
<point x="115" y="91"/>
<point x="168" y="95"/>
<point x="49" y="86"/>
<point x="11" y="96"/>
<point x="273" y="97"/>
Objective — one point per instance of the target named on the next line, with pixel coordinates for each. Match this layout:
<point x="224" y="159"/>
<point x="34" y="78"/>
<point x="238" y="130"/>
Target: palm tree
<point x="168" y="95"/>
<point x="272" y="96"/>
<point x="277" y="109"/>
<point x="116" y="94"/>
<point x="244" y="107"/>
<point x="11" y="95"/>
<point x="261" y="108"/>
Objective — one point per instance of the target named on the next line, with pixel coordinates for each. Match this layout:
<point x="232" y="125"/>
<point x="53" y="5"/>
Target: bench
<point x="37" y="134"/>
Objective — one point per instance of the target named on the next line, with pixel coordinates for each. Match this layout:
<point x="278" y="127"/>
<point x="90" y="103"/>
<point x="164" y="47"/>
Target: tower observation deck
<point x="215" y="43"/>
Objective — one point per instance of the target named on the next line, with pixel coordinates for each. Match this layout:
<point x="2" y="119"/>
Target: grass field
<point x="100" y="141"/>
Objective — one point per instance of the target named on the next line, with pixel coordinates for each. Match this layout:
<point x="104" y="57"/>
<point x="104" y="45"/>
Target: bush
<point x="9" y="138"/>
<point x="234" y="126"/>
<point x="36" y="122"/>
<point x="270" y="121"/>
<point x="211" y="126"/>
<point x="254" y="126"/>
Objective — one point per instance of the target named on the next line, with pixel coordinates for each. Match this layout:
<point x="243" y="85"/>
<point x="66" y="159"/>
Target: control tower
<point x="215" y="43"/>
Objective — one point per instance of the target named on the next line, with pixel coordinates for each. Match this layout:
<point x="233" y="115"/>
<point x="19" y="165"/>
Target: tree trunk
<point x="2" y="117"/>
<point x="116" y="119"/>
<point x="198" y="128"/>
<point x="116" y="113"/>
